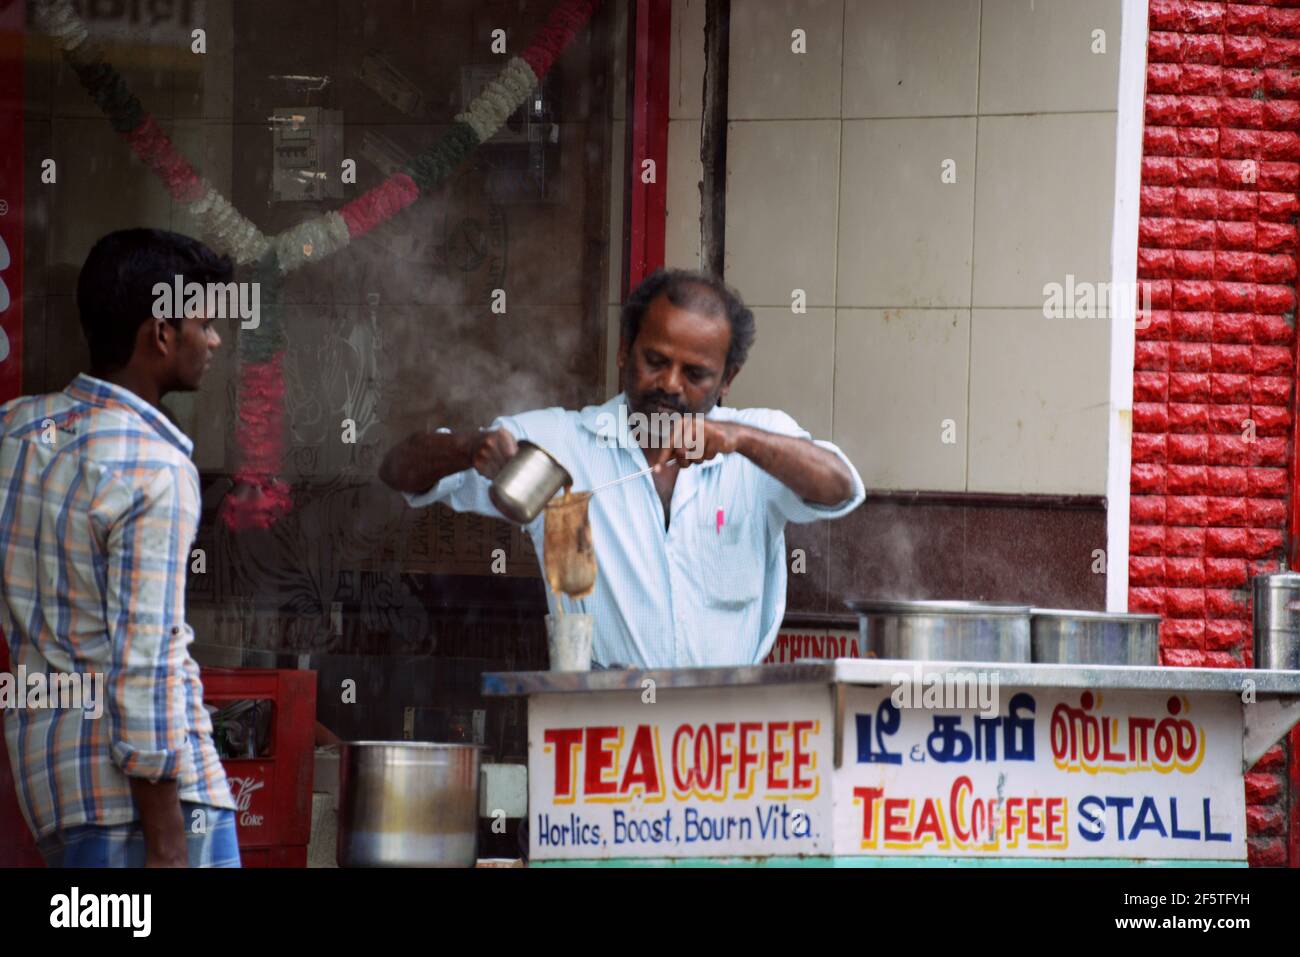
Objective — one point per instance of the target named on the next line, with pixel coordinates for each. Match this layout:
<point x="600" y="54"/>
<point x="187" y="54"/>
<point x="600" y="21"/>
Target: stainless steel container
<point x="408" y="804"/>
<point x="1064" y="637"/>
<point x="1277" y="620"/>
<point x="527" y="482"/>
<point x="943" y="630"/>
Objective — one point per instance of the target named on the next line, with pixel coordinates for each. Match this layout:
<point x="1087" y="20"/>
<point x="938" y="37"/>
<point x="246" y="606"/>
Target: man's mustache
<point x="658" y="398"/>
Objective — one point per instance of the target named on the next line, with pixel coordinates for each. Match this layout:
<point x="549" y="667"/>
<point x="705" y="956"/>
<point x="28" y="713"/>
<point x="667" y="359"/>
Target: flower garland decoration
<point x="261" y="496"/>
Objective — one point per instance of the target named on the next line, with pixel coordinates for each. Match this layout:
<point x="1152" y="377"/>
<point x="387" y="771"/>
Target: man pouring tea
<point x="692" y="564"/>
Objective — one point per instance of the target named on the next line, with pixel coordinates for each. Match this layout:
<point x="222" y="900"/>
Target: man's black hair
<point x="115" y="287"/>
<point x="696" y="292"/>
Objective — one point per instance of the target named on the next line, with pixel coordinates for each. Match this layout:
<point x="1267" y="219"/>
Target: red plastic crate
<point x="273" y="793"/>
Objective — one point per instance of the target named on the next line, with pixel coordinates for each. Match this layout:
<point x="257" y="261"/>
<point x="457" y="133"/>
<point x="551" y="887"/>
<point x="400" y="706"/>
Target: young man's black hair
<point x="115" y="289"/>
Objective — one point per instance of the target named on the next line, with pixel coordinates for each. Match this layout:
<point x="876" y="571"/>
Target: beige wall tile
<point x="782" y="186"/>
<point x="1036" y="56"/>
<point x="767" y="80"/>
<point x="899" y="374"/>
<point x="686" y="71"/>
<point x="917" y="58"/>
<point x="791" y="367"/>
<point x="1044" y="202"/>
<point x="904" y="234"/>
<point x="1038" y="401"/>
<point x="682" y="236"/>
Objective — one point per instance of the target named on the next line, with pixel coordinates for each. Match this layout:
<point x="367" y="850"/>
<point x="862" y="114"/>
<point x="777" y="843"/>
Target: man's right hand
<point x="421" y="460"/>
<point x="159" y="806"/>
<point x="494" y="449"/>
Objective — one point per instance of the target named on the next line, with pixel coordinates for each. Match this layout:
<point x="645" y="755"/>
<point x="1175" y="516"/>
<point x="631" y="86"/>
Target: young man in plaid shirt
<point x="99" y="505"/>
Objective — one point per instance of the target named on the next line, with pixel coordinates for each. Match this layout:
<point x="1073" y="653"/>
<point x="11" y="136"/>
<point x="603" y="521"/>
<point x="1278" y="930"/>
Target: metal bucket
<point x="408" y="804"/>
<point x="1277" y="620"/>
<point x="527" y="482"/>
<point x="943" y="630"/>
<point x="1063" y="637"/>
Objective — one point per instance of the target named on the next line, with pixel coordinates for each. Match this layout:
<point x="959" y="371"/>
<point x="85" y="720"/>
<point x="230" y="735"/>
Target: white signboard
<point x="750" y="771"/>
<point x="1053" y="773"/>
<point x="734" y="772"/>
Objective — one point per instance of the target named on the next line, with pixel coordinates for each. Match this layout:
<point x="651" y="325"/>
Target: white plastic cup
<point x="568" y="639"/>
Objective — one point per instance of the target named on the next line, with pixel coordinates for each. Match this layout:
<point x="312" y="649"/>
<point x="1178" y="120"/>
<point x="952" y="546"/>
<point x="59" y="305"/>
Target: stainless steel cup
<point x="527" y="482"/>
<point x="568" y="640"/>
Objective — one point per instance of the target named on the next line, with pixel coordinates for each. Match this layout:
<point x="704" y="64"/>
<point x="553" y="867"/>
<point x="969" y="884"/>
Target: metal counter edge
<point x="879" y="671"/>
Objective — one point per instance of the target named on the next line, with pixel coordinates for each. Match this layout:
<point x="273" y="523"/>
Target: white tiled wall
<point x="782" y="187"/>
<point x="797" y="350"/>
<point x="1037" y="414"/>
<point x="765" y="80"/>
<point x="686" y="71"/>
<point x="682" y="241"/>
<point x="904" y="236"/>
<point x="922" y="171"/>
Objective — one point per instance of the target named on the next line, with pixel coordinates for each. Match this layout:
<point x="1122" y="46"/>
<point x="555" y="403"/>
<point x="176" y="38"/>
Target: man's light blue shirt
<point x="695" y="594"/>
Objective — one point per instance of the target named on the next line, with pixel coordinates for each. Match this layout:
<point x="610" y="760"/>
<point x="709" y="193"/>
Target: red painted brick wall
<point x="1217" y="242"/>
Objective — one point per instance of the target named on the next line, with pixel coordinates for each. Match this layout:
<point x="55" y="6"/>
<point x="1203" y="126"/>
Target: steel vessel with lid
<point x="1276" y="609"/>
<point x="943" y="630"/>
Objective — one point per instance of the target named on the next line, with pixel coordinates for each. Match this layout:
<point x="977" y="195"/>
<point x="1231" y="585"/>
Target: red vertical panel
<point x="1293" y="829"/>
<point x="648" y="135"/>
<point x="11" y="200"/>
<point x="1217" y="241"/>
<point x="17" y="849"/>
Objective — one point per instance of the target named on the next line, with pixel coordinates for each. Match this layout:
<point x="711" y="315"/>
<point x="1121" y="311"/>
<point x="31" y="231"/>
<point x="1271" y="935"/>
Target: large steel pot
<point x="408" y="804"/>
<point x="527" y="482"/>
<point x="1277" y="620"/>
<point x="943" y="630"/>
<point x="1062" y="637"/>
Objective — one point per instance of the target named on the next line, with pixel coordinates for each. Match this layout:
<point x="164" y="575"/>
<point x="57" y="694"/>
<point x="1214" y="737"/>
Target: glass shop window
<point x="408" y="257"/>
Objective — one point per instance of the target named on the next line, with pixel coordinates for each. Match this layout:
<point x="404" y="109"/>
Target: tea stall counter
<point x="873" y="763"/>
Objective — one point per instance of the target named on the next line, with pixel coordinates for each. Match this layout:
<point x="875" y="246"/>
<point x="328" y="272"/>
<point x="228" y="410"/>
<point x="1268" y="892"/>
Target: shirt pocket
<point x="731" y="562"/>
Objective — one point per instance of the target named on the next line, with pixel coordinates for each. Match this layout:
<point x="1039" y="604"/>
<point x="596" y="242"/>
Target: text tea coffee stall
<point x="842" y="763"/>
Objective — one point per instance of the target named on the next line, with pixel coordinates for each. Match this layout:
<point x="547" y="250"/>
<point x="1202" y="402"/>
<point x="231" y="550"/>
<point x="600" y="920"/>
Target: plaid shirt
<point x="99" y="505"/>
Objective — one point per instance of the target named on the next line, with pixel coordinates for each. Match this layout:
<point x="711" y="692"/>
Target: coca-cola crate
<point x="272" y="790"/>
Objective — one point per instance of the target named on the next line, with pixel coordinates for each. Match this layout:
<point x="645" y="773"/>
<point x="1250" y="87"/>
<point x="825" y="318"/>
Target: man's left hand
<point x="697" y="439"/>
